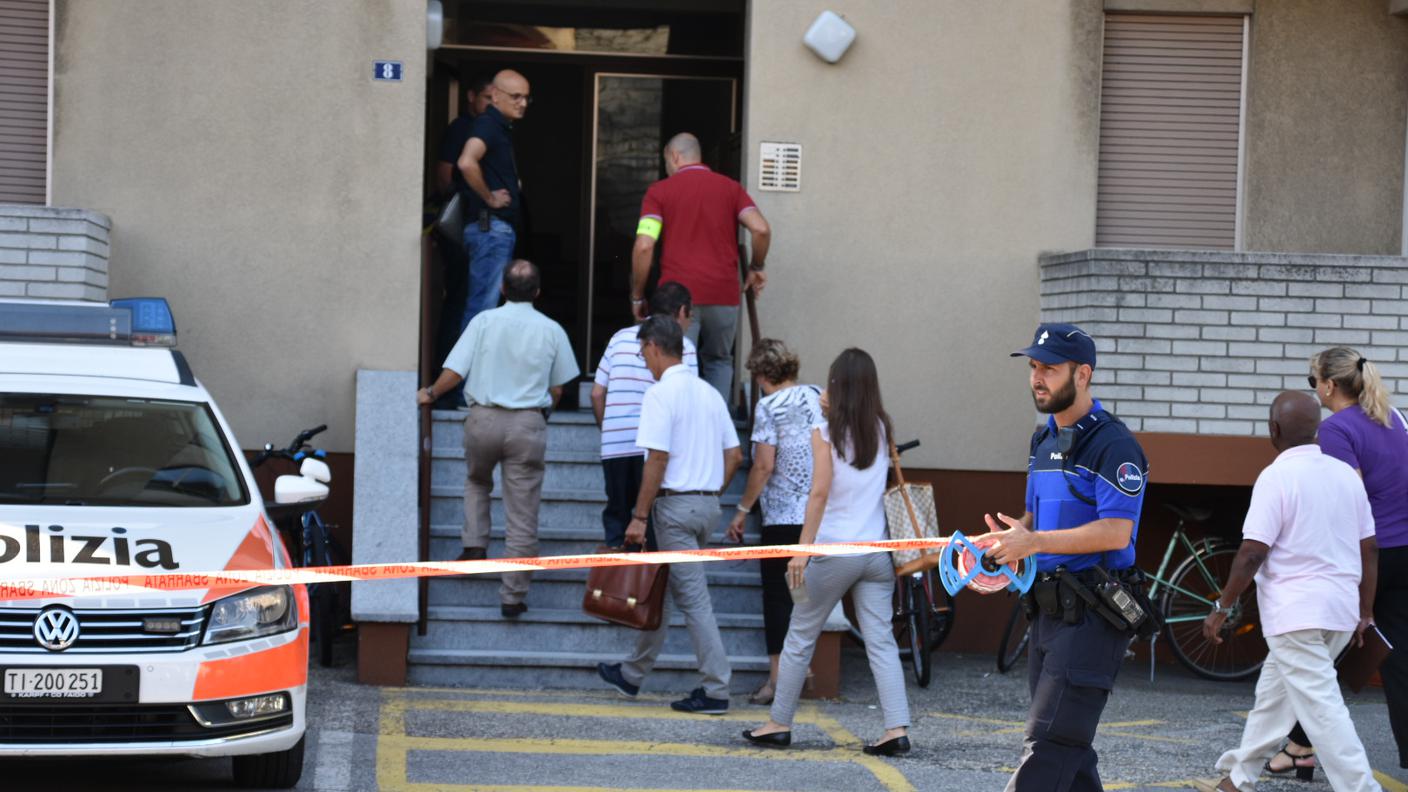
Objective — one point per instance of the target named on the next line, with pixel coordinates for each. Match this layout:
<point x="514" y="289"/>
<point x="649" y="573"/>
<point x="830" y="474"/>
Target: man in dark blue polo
<point x="1085" y="489"/>
<point x="492" y="200"/>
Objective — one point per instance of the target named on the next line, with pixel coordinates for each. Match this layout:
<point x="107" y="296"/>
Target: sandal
<point x="763" y="695"/>
<point x="1303" y="765"/>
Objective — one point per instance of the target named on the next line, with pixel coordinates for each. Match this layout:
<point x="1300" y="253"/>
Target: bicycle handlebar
<point x="290" y="453"/>
<point x="903" y="447"/>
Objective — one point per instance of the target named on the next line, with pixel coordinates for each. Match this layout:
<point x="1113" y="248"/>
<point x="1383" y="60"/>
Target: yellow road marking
<point x="971" y="719"/>
<point x="1128" y="724"/>
<point x="1017" y="727"/>
<point x="394" y="745"/>
<point x="1390" y="784"/>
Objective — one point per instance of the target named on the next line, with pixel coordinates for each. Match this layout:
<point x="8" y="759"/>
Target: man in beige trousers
<point x="514" y="362"/>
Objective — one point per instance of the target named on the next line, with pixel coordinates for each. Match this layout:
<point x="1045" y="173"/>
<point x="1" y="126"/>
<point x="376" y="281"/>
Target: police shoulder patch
<point x="1129" y="478"/>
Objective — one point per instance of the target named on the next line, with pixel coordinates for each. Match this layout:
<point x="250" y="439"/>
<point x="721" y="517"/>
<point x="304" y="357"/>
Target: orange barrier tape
<point x="12" y="588"/>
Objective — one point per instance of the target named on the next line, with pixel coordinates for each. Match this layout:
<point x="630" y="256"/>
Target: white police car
<point x="114" y="460"/>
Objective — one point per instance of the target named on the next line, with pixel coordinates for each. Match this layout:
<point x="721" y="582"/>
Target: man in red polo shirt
<point x="699" y="212"/>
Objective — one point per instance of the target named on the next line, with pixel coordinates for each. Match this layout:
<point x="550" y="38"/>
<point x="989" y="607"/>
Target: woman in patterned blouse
<point x="780" y="480"/>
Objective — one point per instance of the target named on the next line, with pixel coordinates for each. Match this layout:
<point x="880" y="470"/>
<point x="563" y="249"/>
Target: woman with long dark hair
<point x="850" y="452"/>
<point x="1370" y="436"/>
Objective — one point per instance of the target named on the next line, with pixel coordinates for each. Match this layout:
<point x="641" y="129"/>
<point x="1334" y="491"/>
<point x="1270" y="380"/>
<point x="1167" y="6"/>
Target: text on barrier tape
<point x="15" y="588"/>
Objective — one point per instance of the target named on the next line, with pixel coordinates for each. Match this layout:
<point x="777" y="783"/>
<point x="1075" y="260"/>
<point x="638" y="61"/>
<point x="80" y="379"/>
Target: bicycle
<point x="309" y="540"/>
<point x="1184" y="599"/>
<point x="923" y="614"/>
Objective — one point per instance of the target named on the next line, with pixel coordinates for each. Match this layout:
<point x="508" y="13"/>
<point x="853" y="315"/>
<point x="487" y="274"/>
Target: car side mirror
<point x="298" y="489"/>
<point x="315" y="469"/>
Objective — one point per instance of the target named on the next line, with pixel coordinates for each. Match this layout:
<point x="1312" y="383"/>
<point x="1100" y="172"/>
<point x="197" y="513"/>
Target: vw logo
<point x="56" y="629"/>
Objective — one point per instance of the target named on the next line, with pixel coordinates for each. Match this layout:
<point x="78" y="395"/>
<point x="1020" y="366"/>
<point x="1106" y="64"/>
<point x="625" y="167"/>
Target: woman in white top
<point x="850" y="449"/>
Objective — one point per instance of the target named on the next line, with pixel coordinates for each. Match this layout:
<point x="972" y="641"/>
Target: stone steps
<point x="468" y="642"/>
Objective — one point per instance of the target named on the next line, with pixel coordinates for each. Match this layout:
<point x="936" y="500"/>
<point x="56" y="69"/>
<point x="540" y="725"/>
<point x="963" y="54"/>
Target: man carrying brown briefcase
<point x="692" y="452"/>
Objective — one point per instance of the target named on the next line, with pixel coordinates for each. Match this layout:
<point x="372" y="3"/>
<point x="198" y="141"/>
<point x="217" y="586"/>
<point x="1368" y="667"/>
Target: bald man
<point x="491" y="195"/>
<point x="1308" y="540"/>
<point x="695" y="213"/>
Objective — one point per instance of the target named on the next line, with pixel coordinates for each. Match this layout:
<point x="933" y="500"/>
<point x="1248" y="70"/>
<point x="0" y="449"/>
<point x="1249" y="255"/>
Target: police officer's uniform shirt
<point x="1108" y="467"/>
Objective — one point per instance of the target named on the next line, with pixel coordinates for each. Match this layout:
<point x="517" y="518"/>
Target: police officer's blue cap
<point x="1060" y="343"/>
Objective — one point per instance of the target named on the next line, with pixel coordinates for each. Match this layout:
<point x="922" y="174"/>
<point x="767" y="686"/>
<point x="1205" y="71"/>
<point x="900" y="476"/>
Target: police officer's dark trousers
<point x="1072" y="668"/>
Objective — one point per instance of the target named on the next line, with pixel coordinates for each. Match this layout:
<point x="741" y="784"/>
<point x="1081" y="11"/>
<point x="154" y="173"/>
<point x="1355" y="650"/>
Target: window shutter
<point x="1170" y="111"/>
<point x="24" y="100"/>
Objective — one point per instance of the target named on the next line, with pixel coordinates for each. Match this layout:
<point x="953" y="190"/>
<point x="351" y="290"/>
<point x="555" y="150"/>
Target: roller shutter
<point x="1170" y="111"/>
<point x="24" y="100"/>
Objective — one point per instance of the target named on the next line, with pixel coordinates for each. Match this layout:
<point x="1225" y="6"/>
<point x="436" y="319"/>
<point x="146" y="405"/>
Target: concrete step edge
<point x="726" y="501"/>
<point x="467" y="613"/>
<point x="721" y="577"/>
<point x="588" y="660"/>
<point x="589" y="534"/>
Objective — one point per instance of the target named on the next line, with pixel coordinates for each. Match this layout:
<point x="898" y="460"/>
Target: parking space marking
<point x="394" y="744"/>
<point x="1115" y="729"/>
<point x="1390" y="784"/>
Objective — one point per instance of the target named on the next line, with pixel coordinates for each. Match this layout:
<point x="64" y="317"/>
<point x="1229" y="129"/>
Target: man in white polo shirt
<point x="692" y="452"/>
<point x="1309" y="541"/>
<point x="622" y="379"/>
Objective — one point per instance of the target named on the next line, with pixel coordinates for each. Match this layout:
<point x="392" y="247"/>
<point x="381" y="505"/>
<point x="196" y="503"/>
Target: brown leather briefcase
<point x="631" y="596"/>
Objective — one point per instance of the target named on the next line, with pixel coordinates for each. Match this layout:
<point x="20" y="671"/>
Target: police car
<point x="114" y="460"/>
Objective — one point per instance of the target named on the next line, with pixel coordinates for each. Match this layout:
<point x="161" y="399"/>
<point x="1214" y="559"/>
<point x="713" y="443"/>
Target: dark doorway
<point x="611" y="82"/>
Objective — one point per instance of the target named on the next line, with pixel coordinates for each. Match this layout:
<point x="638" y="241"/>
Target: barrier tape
<point x="13" y="588"/>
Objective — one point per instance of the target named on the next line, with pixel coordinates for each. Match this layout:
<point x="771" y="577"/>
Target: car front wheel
<point x="278" y="770"/>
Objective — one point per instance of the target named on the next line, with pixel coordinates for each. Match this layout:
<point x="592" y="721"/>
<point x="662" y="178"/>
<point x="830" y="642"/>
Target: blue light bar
<point x="132" y="322"/>
<point x="152" y="322"/>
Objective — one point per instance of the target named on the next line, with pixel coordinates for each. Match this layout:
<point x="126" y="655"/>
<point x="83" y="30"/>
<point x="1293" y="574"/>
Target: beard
<point x="1057" y="401"/>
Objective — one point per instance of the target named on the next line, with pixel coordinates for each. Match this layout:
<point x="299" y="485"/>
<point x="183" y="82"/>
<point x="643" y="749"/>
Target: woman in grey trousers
<point x="850" y="452"/>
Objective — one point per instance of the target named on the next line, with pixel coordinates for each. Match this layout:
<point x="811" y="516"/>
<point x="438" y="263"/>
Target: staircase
<point x="467" y="641"/>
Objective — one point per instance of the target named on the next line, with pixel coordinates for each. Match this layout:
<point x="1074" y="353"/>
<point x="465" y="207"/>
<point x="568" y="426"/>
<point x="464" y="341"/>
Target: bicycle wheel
<point x="943" y="611"/>
<point x="1187" y="600"/>
<point x="1014" y="638"/>
<point x="919" y="610"/>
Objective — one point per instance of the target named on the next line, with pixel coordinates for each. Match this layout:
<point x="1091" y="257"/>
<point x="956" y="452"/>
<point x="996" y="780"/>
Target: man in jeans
<point x="621" y="381"/>
<point x="1309" y="541"/>
<point x="692" y="452"/>
<point x="513" y="362"/>
<point x="699" y="212"/>
<point x="491" y="200"/>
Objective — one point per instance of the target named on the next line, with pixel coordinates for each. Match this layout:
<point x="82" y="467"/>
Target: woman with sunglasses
<point x="1368" y="434"/>
<point x="850" y="453"/>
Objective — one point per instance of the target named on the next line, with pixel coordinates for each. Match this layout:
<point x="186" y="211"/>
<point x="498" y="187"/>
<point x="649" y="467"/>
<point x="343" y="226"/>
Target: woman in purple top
<point x="1368" y="434"/>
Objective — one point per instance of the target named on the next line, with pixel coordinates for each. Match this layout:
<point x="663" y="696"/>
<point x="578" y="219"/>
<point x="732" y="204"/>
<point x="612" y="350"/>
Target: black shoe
<point x="472" y="554"/>
<point x="611" y="675"/>
<point x="512" y="610"/>
<point x="700" y="704"/>
<point x="773" y="740"/>
<point x="899" y="745"/>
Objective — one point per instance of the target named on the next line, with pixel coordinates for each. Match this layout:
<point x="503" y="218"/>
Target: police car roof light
<point x="152" y="323"/>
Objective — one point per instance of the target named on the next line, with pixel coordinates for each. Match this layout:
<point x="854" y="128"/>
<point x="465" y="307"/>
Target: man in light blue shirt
<point x="514" y="362"/>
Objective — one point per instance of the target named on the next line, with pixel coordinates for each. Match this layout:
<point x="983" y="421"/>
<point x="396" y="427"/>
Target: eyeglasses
<point x="518" y="97"/>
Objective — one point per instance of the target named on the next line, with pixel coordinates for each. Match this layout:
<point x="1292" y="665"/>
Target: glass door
<point x="634" y="115"/>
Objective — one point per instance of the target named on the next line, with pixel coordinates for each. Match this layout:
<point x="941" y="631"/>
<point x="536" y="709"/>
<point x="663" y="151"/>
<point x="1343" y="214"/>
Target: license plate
<point x="53" y="683"/>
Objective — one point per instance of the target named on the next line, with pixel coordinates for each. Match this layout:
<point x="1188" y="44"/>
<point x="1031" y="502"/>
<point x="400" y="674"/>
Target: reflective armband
<point x="649" y="226"/>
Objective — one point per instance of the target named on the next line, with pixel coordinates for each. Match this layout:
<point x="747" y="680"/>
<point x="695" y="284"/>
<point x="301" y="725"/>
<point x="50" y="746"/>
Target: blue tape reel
<point x="954" y="581"/>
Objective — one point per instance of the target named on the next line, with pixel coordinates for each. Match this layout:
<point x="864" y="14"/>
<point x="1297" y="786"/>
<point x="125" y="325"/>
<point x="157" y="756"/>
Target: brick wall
<point x="1202" y="341"/>
<point x="49" y="252"/>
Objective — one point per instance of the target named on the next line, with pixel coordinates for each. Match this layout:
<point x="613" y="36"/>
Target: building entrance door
<point x="634" y="116"/>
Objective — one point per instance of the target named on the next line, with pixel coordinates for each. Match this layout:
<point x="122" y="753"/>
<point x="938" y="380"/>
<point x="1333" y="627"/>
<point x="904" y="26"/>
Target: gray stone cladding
<point x="1200" y="342"/>
<point x="52" y="252"/>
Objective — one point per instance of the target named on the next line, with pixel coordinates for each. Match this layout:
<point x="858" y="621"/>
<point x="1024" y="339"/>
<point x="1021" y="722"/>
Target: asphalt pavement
<point x="967" y="732"/>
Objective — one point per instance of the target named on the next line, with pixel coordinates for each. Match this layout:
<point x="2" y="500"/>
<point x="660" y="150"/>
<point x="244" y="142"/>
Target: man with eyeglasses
<point x="492" y="198"/>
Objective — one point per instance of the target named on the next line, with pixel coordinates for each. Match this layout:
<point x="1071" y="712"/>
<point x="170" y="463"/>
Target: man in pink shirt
<point x="1309" y="542"/>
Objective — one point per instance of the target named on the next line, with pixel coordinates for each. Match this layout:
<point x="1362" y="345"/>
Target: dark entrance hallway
<point x="610" y="83"/>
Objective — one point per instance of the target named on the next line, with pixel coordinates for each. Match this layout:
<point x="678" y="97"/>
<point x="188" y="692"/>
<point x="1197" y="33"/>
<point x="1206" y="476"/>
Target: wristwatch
<point x="743" y="508"/>
<point x="1218" y="608"/>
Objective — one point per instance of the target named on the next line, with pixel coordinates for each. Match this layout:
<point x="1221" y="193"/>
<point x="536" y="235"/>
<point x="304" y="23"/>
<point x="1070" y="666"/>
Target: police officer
<point x="1085" y="488"/>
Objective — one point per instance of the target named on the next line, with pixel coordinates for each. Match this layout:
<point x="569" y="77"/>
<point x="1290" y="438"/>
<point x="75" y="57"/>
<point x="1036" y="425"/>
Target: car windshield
<point x="109" y="451"/>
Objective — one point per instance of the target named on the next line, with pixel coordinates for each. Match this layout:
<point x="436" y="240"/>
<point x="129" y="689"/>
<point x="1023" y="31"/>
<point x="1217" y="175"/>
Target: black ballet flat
<point x="773" y="740"/>
<point x="899" y="745"/>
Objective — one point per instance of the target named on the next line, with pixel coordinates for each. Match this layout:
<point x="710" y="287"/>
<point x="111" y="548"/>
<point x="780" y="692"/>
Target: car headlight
<point x="251" y="614"/>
